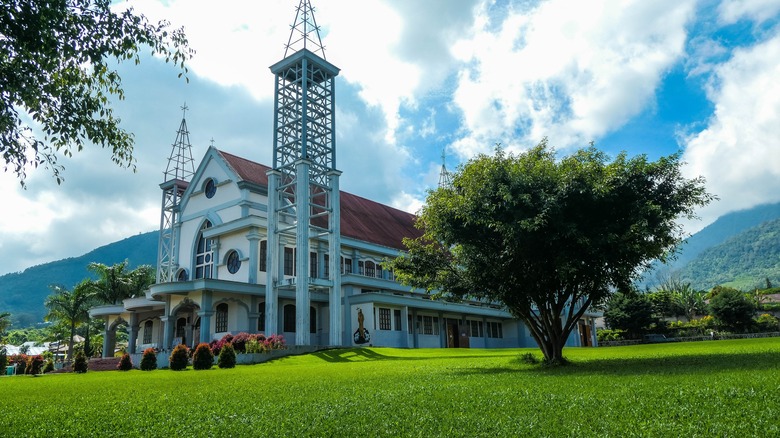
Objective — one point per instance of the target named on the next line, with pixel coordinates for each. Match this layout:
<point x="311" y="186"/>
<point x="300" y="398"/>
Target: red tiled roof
<point x="361" y="218"/>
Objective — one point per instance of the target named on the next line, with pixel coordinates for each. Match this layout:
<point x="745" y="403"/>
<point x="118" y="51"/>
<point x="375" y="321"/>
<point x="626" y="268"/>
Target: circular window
<point x="233" y="262"/>
<point x="211" y="188"/>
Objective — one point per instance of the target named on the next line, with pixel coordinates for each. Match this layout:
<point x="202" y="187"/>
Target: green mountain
<point x="744" y="261"/>
<point x="740" y="249"/>
<point x="23" y="293"/>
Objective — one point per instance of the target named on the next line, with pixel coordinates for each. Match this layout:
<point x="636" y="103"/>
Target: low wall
<point x="691" y="339"/>
<point x="241" y="358"/>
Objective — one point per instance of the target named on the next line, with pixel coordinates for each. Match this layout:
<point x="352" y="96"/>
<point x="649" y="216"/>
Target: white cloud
<point x="572" y="71"/>
<point x="738" y="151"/>
<point x="732" y="11"/>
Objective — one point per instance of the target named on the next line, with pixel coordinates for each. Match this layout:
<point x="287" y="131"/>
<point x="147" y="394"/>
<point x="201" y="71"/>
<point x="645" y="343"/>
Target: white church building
<point x="280" y="249"/>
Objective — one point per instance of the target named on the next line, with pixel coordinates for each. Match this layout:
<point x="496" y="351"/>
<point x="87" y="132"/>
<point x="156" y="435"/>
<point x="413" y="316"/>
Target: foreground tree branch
<point x="57" y="75"/>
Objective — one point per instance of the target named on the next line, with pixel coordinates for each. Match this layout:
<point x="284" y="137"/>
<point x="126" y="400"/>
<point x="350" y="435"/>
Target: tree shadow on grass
<point x="371" y="354"/>
<point x="660" y="365"/>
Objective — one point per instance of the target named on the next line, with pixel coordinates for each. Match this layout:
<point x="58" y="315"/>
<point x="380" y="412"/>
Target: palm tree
<point x="116" y="282"/>
<point x="68" y="307"/>
<point x="113" y="282"/>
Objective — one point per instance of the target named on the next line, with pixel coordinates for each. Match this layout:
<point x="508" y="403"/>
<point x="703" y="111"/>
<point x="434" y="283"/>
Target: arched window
<point x="181" y="332"/>
<point x="204" y="257"/>
<point x="148" y="327"/>
<point x="261" y="317"/>
<point x="182" y="275"/>
<point x="370" y="269"/>
<point x="263" y="255"/>
<point x="221" y="318"/>
<point x="233" y="262"/>
<point x="289" y="318"/>
<point x="312" y="320"/>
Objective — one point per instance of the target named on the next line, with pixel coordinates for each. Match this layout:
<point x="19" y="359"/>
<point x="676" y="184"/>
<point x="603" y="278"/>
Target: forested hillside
<point x="22" y="293"/>
<point x="744" y="261"/>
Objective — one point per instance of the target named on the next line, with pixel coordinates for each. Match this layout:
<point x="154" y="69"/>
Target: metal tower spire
<point x="178" y="173"/>
<point x="303" y="187"/>
<point x="445" y="177"/>
<point x="304" y="32"/>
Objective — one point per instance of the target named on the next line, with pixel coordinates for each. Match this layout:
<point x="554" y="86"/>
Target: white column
<point x="334" y="260"/>
<point x="302" y="336"/>
<point x="273" y="264"/>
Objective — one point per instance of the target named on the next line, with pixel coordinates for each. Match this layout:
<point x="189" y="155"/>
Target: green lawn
<point x="721" y="388"/>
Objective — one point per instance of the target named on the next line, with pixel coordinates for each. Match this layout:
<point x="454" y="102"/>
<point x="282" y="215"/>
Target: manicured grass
<point x="721" y="388"/>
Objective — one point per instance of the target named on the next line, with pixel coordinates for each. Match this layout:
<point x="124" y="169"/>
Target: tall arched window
<point x="148" y="326"/>
<point x="289" y="318"/>
<point x="181" y="331"/>
<point x="204" y="257"/>
<point x="261" y="317"/>
<point x="221" y="318"/>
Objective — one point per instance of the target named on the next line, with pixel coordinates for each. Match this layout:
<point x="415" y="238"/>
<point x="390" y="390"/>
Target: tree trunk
<point x="70" y="341"/>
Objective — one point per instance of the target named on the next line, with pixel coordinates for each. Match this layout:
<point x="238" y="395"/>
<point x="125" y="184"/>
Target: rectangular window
<point x="475" y="328"/>
<point x="289" y="261"/>
<point x="263" y="255"/>
<point x="313" y="264"/>
<point x="384" y="319"/>
<point x="346" y="266"/>
<point x="427" y="325"/>
<point x="361" y="268"/>
<point x="409" y="322"/>
<point x="327" y="265"/>
<point x="435" y="325"/>
<point x="495" y="330"/>
<point x="397" y="319"/>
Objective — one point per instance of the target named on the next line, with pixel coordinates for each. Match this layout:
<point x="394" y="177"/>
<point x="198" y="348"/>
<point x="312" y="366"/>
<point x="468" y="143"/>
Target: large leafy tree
<point x="548" y="237"/>
<point x="57" y="72"/>
<point x="732" y="308"/>
<point x="68" y="307"/>
<point x="629" y="311"/>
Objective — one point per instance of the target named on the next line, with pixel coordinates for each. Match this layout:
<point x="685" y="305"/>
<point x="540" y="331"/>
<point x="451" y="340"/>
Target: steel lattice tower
<point x="303" y="187"/>
<point x="445" y="177"/>
<point x="178" y="173"/>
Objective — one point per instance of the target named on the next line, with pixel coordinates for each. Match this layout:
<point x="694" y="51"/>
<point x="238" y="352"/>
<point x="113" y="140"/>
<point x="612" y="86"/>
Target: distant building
<point x="246" y="247"/>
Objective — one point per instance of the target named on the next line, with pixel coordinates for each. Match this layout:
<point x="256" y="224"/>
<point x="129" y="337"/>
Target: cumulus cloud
<point x="572" y="71"/>
<point x="738" y="151"/>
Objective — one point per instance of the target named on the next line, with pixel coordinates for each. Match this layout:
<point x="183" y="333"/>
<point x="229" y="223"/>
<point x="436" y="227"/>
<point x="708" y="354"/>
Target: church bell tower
<point x="303" y="186"/>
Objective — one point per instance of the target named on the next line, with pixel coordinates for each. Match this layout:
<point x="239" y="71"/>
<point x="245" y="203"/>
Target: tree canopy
<point x="56" y="77"/>
<point x="548" y="237"/>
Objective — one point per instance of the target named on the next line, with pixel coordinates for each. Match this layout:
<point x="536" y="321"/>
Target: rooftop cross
<point x="304" y="32"/>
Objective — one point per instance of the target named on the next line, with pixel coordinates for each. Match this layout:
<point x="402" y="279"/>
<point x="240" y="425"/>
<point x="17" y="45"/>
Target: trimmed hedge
<point x="203" y="359"/>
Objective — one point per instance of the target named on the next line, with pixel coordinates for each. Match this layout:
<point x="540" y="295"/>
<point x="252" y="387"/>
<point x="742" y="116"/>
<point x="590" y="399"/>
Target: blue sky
<point x="655" y="78"/>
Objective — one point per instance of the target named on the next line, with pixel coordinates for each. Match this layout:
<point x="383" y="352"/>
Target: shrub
<point x="528" y="359"/>
<point x="80" y="363"/>
<point x="610" y="335"/>
<point x="203" y="359"/>
<point x="125" y="364"/>
<point x="180" y="357"/>
<point x="227" y="357"/>
<point x="149" y="360"/>
<point x="34" y="365"/>
<point x="49" y="367"/>
<point x="767" y="323"/>
<point x="20" y="361"/>
<point x="275" y="342"/>
<point x="239" y="342"/>
<point x="253" y="346"/>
